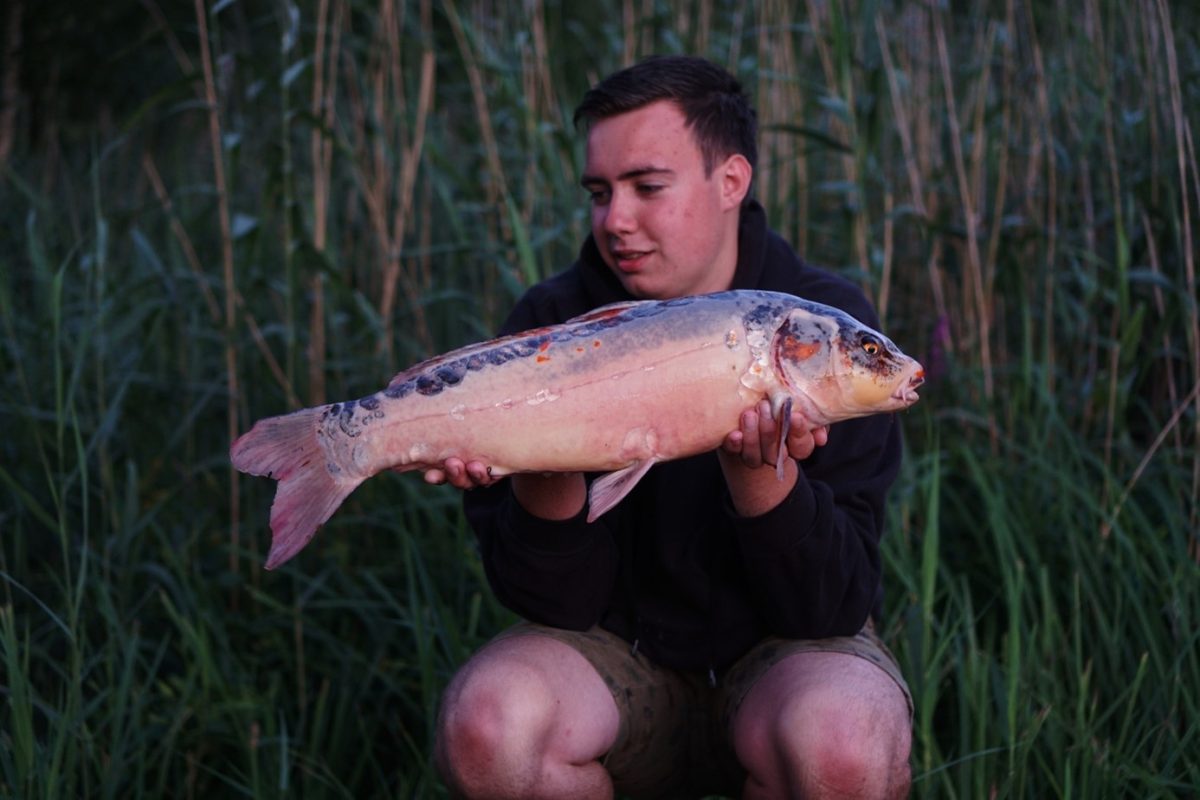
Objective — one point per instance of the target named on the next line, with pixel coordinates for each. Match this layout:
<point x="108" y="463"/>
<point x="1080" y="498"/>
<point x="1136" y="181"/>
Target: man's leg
<point x="526" y="717"/>
<point x="824" y="724"/>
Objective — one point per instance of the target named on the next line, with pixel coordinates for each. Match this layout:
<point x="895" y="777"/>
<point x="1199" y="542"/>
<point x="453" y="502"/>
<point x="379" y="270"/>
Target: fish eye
<point x="870" y="346"/>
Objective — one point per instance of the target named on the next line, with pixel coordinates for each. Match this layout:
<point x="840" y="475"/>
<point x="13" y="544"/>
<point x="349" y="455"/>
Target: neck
<point x="725" y="266"/>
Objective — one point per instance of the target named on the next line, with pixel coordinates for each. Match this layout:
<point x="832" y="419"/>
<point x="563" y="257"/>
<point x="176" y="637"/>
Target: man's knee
<point x="840" y="747"/>
<point x="491" y="718"/>
<point x="825" y="726"/>
<point x="527" y="717"/>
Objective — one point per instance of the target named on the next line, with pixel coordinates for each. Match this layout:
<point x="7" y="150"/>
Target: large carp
<point x="616" y="391"/>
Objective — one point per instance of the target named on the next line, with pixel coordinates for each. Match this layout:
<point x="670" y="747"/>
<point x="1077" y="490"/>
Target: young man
<point x="713" y="632"/>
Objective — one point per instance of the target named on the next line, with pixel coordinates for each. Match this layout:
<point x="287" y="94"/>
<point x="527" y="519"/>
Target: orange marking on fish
<point x="796" y="350"/>
<point x="543" y="359"/>
<point x="545" y="346"/>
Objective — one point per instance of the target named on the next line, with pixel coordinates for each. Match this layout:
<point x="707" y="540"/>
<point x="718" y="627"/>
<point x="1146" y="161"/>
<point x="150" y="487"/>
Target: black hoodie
<point x="672" y="566"/>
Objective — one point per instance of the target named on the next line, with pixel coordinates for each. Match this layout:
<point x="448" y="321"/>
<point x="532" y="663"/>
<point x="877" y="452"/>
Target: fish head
<point x="838" y="368"/>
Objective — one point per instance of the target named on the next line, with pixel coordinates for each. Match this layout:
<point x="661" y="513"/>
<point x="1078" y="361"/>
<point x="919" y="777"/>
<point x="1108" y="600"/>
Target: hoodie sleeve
<point x="558" y="573"/>
<point x="813" y="561"/>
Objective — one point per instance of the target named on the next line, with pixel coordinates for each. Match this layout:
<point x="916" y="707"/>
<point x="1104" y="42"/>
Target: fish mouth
<point x="907" y="393"/>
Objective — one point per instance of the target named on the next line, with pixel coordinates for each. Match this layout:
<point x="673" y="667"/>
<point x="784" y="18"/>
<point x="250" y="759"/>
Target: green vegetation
<point x="208" y="218"/>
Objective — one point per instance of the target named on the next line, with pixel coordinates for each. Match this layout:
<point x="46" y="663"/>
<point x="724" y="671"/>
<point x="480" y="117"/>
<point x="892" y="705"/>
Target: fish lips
<point x="906" y="393"/>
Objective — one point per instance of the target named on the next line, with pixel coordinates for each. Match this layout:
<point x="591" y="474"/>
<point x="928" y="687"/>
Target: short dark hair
<point x="716" y="108"/>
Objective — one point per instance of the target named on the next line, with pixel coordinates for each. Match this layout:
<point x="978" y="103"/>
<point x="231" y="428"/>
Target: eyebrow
<point x="627" y="175"/>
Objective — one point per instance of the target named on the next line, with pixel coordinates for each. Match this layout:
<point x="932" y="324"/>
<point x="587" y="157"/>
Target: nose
<point x="619" y="218"/>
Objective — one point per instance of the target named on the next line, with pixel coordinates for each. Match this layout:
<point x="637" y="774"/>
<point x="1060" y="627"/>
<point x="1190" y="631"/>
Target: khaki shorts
<point x="675" y="731"/>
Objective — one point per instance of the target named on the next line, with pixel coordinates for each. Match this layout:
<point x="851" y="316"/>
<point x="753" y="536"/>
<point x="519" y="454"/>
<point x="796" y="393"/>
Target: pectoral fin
<point x="783" y="419"/>
<point x="611" y="489"/>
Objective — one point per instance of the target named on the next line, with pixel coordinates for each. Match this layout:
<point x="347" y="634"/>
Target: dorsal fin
<point x="605" y="312"/>
<point x="463" y="354"/>
<point x="451" y="367"/>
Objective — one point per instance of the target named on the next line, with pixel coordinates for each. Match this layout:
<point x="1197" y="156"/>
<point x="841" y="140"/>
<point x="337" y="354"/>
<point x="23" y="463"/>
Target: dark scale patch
<point x="346" y="420"/>
<point x="677" y="301"/>
<point x="371" y="410"/>
<point x="759" y="316"/>
<point x="399" y="390"/>
<point x="598" y="326"/>
<point x="647" y="310"/>
<point x="500" y="356"/>
<point x="451" y="374"/>
<point x="429" y="385"/>
<point x="848" y="330"/>
<point x="527" y="347"/>
<point x="476" y="362"/>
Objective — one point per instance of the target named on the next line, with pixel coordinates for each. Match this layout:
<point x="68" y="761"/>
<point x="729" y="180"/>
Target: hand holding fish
<point x="460" y="475"/>
<point x="756" y="441"/>
<point x="753" y="490"/>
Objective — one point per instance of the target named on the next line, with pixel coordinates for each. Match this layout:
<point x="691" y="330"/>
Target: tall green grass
<point x="322" y="194"/>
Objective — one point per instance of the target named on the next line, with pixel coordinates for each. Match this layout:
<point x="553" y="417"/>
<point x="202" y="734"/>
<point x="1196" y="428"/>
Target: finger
<point x="457" y="474"/>
<point x="751" y="440"/>
<point x="479" y="473"/>
<point x="802" y="423"/>
<point x="801" y="447"/>
<point x="768" y="433"/>
<point x="435" y="477"/>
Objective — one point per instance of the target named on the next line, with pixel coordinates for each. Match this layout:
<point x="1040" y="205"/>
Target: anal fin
<point x="610" y="489"/>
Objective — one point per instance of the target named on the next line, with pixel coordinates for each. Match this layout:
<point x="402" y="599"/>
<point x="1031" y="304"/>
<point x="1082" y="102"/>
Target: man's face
<point x="662" y="226"/>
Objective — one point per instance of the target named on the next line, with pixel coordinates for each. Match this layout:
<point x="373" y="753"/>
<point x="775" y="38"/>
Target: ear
<point x="735" y="174"/>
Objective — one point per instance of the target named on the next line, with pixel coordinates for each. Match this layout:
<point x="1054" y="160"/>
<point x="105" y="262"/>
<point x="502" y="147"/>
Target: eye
<point x="598" y="192"/>
<point x="870" y="346"/>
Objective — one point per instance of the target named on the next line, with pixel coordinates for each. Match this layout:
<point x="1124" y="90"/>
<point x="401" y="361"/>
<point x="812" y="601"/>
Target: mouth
<point x="628" y="260"/>
<point x="907" y="393"/>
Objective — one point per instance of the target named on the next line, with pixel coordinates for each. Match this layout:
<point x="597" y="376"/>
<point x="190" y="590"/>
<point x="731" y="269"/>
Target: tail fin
<point x="286" y="448"/>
